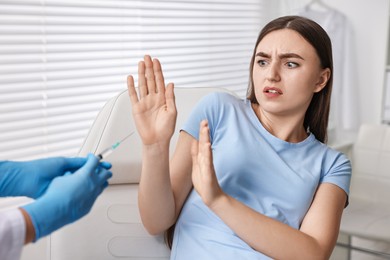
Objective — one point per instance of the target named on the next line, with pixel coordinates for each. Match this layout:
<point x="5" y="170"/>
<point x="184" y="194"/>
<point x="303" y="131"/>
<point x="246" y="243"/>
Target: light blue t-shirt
<point x="272" y="176"/>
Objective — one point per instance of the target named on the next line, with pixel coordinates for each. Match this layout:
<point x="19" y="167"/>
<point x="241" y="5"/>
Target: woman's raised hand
<point x="203" y="174"/>
<point x="154" y="110"/>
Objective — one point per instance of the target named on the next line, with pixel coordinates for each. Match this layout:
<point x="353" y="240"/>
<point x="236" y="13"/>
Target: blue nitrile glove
<point x="31" y="178"/>
<point x="68" y="197"/>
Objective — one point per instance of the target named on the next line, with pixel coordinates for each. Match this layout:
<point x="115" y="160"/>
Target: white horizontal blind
<point x="61" y="60"/>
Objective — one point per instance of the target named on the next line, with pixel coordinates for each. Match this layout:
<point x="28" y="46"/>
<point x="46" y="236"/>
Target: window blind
<point x="61" y="60"/>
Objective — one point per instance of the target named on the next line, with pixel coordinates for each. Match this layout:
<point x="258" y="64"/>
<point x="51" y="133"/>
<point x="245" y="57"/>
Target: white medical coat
<point x="12" y="234"/>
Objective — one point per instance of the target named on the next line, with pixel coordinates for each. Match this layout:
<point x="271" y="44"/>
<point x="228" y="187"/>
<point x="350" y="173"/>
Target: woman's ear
<point x="323" y="79"/>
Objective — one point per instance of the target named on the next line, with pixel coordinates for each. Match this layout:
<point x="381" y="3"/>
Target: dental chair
<point x="113" y="228"/>
<point x="367" y="218"/>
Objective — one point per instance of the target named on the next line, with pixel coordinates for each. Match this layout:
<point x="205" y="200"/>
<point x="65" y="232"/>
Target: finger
<point x="131" y="90"/>
<point x="98" y="189"/>
<point x="194" y="150"/>
<point x="204" y="136"/>
<point x="150" y="80"/>
<point x="205" y="144"/>
<point x="170" y="97"/>
<point x="91" y="164"/>
<point x="105" y="165"/>
<point x="142" y="87"/>
<point x="73" y="164"/>
<point x="195" y="166"/>
<point x="159" y="76"/>
<point x="103" y="175"/>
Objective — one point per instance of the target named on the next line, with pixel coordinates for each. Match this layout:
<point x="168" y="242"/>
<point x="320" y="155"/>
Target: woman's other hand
<point x="203" y="174"/>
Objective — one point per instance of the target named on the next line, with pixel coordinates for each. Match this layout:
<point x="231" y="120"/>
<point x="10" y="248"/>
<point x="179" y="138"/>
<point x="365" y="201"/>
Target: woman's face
<point x="287" y="73"/>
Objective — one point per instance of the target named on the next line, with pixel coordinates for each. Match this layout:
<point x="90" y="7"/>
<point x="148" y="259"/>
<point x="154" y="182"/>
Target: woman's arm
<point x="165" y="186"/>
<point x="154" y="113"/>
<point x="316" y="237"/>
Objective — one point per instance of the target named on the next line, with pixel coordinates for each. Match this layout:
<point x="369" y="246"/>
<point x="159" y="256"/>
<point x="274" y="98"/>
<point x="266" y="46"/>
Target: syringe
<point x="106" y="152"/>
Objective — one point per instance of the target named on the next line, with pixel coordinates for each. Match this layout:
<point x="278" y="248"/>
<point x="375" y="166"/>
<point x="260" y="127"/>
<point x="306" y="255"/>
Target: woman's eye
<point x="291" y="64"/>
<point x="261" y="62"/>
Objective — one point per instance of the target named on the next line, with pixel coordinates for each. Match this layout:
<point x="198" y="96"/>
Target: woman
<point x="249" y="179"/>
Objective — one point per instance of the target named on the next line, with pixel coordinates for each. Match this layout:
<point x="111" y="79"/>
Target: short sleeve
<point x="208" y="108"/>
<point x="339" y="173"/>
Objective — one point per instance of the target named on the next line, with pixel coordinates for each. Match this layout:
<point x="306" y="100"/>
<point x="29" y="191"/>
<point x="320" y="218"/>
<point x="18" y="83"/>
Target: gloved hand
<point x="31" y="178"/>
<point x="68" y="197"/>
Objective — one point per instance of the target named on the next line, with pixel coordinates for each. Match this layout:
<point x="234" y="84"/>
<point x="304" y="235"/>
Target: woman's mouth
<point x="272" y="90"/>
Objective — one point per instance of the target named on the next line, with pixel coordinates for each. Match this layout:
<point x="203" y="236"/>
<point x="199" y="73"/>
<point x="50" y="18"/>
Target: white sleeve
<point x="12" y="234"/>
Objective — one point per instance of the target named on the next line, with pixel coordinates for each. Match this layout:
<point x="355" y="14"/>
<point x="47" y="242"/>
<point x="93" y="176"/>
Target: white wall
<point x="370" y="22"/>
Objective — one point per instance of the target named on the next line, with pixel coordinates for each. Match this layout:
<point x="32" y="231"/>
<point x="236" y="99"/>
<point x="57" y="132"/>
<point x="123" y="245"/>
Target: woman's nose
<point x="273" y="73"/>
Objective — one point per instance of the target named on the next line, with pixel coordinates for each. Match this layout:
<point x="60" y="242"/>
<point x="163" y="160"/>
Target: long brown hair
<point x="168" y="236"/>
<point x="317" y="114"/>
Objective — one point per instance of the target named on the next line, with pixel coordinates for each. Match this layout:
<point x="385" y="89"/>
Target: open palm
<point x="203" y="173"/>
<point x="154" y="111"/>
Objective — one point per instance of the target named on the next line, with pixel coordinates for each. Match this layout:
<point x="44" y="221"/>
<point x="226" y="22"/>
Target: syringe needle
<point x="106" y="152"/>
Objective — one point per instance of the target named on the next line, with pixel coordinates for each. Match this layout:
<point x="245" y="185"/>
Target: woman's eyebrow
<point x="281" y="56"/>
<point x="290" y="55"/>
<point x="263" y="54"/>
